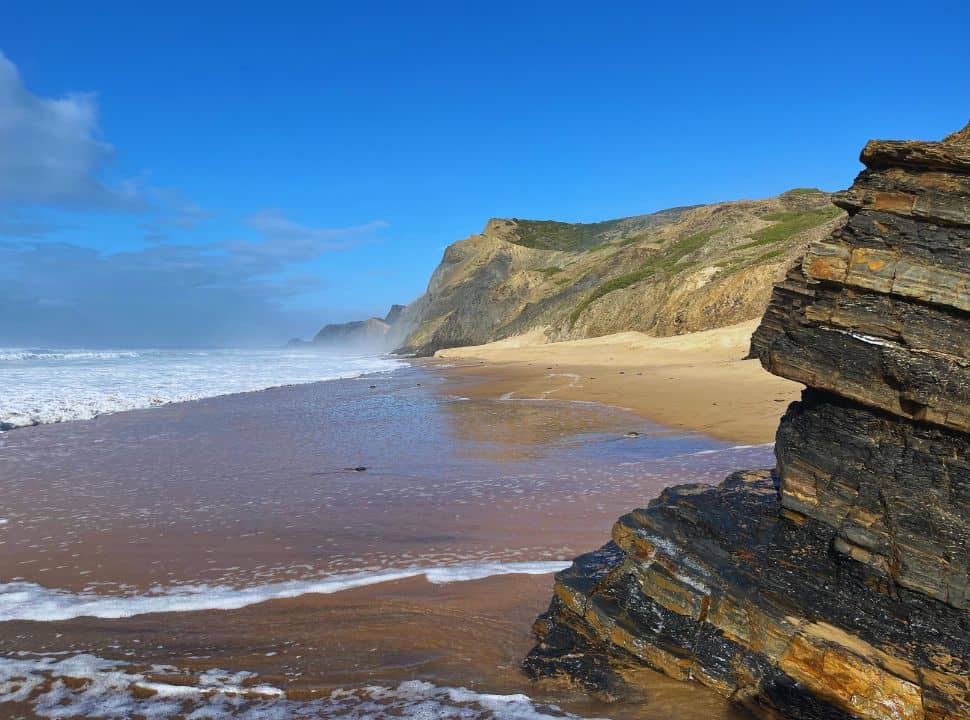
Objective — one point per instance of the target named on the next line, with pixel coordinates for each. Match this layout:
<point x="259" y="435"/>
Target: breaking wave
<point x="14" y="355"/>
<point x="50" y="386"/>
<point x="30" y="601"/>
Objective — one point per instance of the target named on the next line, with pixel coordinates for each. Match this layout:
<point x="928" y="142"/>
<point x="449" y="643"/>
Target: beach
<point x="698" y="381"/>
<point x="383" y="541"/>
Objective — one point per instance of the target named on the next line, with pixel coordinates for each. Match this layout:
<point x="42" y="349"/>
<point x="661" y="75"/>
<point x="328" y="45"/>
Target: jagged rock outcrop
<point x="835" y="586"/>
<point x="357" y="333"/>
<point x="394" y="314"/>
<point x="372" y="335"/>
<point x="671" y="272"/>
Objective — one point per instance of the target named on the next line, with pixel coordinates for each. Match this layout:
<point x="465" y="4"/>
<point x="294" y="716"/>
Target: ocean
<point x="41" y="386"/>
<point x="371" y="546"/>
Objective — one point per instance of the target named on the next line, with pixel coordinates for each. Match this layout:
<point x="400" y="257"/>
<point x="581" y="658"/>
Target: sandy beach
<point x="696" y="381"/>
<point x="156" y="539"/>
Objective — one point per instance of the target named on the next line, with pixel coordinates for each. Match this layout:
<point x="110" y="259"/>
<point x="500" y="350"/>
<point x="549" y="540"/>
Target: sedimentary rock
<point x="835" y="586"/>
<point x="675" y="271"/>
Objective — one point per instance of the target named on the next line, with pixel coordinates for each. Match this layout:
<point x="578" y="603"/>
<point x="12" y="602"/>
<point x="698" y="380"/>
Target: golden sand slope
<point x="696" y="381"/>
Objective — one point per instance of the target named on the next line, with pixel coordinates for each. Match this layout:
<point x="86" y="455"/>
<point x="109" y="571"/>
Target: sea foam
<point x="49" y="386"/>
<point x="30" y="601"/>
<point x="116" y="689"/>
<point x="18" y="355"/>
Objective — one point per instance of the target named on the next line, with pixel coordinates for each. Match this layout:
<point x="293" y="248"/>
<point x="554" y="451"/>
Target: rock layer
<point x="835" y="586"/>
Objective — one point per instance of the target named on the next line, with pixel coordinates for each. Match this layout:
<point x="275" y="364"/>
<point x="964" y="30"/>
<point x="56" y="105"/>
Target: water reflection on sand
<point x="249" y="490"/>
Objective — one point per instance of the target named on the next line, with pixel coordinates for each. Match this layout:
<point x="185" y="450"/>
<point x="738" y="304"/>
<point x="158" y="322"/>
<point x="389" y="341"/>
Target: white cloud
<point x="52" y="158"/>
<point x="176" y="209"/>
<point x="51" y="152"/>
<point x="52" y="155"/>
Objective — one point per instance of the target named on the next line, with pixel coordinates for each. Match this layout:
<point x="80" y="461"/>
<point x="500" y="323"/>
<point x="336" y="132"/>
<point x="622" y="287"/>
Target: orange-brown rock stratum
<point x="835" y="586"/>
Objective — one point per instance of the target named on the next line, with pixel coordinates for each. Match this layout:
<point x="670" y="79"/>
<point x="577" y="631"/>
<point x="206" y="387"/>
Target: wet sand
<point x="469" y="635"/>
<point x="694" y="382"/>
<point x="257" y="490"/>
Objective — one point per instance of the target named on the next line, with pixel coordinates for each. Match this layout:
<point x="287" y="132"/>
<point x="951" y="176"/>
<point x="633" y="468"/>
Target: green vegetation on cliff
<point x="552" y="235"/>
<point x="572" y="237"/>
<point x="664" y="261"/>
<point x="789" y="223"/>
<point x="674" y="271"/>
<point x="549" y="271"/>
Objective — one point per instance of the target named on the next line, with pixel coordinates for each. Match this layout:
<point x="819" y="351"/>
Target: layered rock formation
<point x="667" y="273"/>
<point x="837" y="585"/>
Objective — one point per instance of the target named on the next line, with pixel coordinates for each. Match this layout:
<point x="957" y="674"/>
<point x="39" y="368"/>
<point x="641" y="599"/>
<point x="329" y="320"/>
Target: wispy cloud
<point x="15" y="224"/>
<point x="278" y="229"/>
<point x="171" y="212"/>
<point x="216" y="293"/>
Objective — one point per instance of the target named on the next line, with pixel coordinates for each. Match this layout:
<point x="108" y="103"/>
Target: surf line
<point x="117" y="688"/>
<point x="29" y="601"/>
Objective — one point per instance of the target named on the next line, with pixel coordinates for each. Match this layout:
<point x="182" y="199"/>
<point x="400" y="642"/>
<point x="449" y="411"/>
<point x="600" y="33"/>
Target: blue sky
<point x="224" y="173"/>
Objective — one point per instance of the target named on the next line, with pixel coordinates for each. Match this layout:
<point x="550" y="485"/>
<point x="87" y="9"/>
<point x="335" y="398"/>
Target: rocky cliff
<point x="667" y="273"/>
<point x="372" y="335"/>
<point x="835" y="586"/>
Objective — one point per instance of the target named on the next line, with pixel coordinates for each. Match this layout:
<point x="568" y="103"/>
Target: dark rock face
<point x="837" y="585"/>
<point x="897" y="493"/>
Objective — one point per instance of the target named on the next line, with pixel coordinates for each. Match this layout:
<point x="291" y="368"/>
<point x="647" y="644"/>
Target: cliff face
<point x="671" y="272"/>
<point x="837" y="585"/>
<point x="371" y="335"/>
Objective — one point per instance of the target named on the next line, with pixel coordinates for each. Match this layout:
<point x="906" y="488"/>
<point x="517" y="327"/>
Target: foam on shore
<point x="30" y="601"/>
<point x="115" y="689"/>
<point x="732" y="448"/>
<point x="51" y="386"/>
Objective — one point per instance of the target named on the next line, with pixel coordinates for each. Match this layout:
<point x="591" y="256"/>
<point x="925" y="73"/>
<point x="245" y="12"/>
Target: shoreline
<point x="694" y="382"/>
<point x="350" y="653"/>
<point x="217" y="533"/>
<point x="403" y="363"/>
